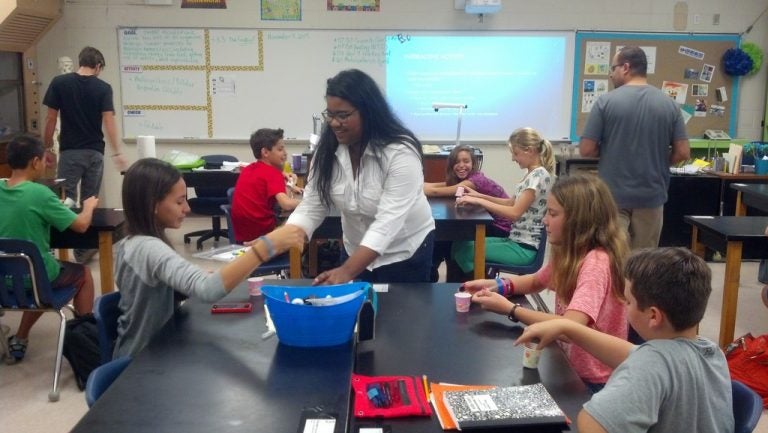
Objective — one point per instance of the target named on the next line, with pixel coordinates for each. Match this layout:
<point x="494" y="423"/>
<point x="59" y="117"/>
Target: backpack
<point x="81" y="347"/>
<point x="748" y="362"/>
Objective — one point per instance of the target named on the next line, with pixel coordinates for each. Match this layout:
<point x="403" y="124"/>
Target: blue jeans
<point x="413" y="270"/>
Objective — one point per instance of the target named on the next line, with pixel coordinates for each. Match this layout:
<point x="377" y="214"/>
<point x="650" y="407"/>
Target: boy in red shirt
<point x="261" y="187"/>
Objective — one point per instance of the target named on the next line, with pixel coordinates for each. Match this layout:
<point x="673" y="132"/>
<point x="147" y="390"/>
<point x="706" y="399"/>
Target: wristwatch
<point x="511" y="316"/>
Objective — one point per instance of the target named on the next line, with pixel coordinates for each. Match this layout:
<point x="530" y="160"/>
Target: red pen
<point x="287" y="299"/>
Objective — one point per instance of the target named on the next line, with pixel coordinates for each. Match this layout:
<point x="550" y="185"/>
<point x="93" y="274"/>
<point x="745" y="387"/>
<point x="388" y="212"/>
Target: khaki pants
<point x="643" y="226"/>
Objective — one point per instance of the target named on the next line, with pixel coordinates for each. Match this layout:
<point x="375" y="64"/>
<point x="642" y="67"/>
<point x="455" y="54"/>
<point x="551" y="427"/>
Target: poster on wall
<point x="354" y="5"/>
<point x="675" y="90"/>
<point x="281" y="10"/>
<point x="592" y="90"/>
<point x="598" y="58"/>
<point x="204" y="4"/>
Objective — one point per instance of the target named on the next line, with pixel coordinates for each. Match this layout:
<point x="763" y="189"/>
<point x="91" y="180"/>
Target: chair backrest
<point x="213" y="162"/>
<point x="747" y="407"/>
<point x="538" y="261"/>
<point x="227" y="209"/>
<point x="106" y="311"/>
<point x="24" y="282"/>
<point x="102" y="377"/>
<point x="230" y="194"/>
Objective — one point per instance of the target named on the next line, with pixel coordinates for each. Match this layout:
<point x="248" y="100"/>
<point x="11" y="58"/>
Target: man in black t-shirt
<point x="84" y="103"/>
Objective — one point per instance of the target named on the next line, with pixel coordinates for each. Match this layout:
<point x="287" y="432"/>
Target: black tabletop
<point x="217" y="178"/>
<point x="104" y="219"/>
<point x="715" y="232"/>
<point x="418" y="331"/>
<point x="206" y="372"/>
<point x="210" y="373"/>
<point x="753" y="194"/>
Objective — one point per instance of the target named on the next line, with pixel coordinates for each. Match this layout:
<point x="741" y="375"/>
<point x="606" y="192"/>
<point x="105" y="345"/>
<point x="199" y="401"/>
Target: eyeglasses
<point x="340" y="116"/>
<point x="616" y="66"/>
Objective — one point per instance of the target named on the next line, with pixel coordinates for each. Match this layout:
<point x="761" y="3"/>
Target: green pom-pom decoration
<point x="756" y="54"/>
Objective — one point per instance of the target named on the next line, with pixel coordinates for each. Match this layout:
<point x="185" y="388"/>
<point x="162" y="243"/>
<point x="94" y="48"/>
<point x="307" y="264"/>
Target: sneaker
<point x="17" y="347"/>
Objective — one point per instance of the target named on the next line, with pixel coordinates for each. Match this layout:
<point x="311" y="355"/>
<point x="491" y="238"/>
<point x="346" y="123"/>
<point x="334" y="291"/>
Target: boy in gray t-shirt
<point x="676" y="381"/>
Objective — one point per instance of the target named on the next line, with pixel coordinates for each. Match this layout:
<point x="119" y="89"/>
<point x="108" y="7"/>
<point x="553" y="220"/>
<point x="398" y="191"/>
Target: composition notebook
<point x="505" y="407"/>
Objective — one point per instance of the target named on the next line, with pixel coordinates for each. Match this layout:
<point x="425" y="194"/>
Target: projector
<point x="482" y="6"/>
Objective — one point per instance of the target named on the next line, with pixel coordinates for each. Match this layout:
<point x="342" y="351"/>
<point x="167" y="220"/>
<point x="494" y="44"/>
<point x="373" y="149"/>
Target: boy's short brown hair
<point x="265" y="138"/>
<point x="674" y="280"/>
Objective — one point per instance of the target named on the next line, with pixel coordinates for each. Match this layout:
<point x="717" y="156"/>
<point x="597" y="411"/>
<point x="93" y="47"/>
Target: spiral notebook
<point x="505" y="407"/>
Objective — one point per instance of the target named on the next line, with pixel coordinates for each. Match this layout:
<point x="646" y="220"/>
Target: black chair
<point x="106" y="312"/>
<point x="21" y="266"/>
<point x="493" y="269"/>
<point x="208" y="201"/>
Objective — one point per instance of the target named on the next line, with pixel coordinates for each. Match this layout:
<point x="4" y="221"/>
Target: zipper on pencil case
<point x="416" y="384"/>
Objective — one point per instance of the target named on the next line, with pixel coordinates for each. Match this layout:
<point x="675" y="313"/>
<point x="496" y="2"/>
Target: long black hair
<point x="145" y="184"/>
<point x="379" y="124"/>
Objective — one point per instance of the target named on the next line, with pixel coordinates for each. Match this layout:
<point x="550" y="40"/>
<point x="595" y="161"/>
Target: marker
<point x="426" y="386"/>
<point x="287" y="298"/>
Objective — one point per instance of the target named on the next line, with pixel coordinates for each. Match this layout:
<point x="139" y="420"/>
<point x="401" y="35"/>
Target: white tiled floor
<point x="24" y="387"/>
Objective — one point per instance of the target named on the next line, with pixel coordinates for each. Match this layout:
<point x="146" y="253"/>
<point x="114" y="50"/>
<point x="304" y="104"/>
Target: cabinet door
<point x="688" y="195"/>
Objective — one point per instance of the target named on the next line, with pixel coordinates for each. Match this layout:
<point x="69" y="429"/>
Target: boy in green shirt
<point x="29" y="211"/>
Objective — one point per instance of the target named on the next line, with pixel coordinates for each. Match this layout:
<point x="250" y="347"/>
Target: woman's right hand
<point x="475" y="286"/>
<point x="286" y="237"/>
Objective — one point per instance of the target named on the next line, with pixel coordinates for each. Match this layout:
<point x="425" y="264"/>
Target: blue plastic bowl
<point x="314" y="326"/>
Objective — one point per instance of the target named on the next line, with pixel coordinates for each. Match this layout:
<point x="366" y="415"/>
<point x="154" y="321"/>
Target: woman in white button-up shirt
<point x="368" y="166"/>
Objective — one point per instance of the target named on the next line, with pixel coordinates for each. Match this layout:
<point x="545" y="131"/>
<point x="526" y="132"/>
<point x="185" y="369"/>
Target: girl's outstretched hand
<point x="545" y="332"/>
<point x="492" y="301"/>
<point x="286" y="237"/>
<point x="475" y="286"/>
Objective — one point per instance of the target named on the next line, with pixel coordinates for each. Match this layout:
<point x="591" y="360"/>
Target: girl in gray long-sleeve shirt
<point x="148" y="270"/>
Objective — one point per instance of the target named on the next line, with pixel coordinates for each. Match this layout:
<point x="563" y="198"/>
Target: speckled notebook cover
<point x="504" y="406"/>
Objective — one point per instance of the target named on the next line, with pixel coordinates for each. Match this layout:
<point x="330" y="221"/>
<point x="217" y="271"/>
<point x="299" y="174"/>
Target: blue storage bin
<point x="314" y="326"/>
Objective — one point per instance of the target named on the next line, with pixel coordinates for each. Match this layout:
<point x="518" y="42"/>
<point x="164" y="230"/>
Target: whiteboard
<point x="196" y="83"/>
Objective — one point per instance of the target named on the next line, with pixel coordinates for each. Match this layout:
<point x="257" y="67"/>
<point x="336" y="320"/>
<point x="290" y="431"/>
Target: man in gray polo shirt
<point x="638" y="132"/>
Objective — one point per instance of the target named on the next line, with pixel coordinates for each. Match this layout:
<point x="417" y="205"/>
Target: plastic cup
<point x="531" y="355"/>
<point x="463" y="300"/>
<point x="254" y="285"/>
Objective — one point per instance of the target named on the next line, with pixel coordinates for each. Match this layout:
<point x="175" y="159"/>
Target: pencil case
<point x="389" y="396"/>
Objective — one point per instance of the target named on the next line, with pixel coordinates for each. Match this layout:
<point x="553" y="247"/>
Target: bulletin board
<point x="688" y="67"/>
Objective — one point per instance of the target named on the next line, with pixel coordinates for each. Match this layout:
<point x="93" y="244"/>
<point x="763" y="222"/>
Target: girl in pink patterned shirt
<point x="587" y="254"/>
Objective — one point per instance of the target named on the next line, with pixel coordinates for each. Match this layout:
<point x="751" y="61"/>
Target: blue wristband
<point x="500" y="285"/>
<point x="270" y="247"/>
